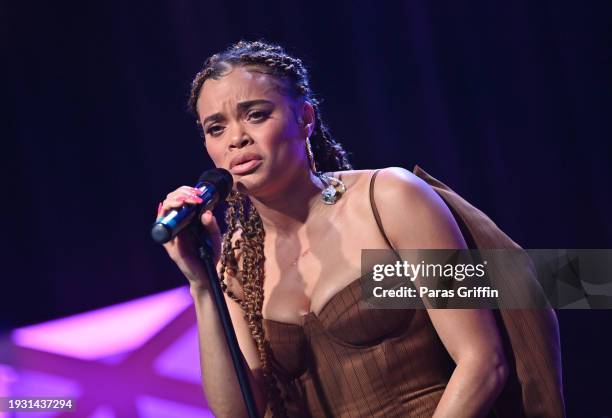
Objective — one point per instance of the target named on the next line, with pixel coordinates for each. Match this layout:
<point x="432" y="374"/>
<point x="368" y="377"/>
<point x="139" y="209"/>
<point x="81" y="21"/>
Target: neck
<point x="288" y="210"/>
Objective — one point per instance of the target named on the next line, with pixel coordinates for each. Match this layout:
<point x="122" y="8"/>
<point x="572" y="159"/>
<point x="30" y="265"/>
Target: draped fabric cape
<point x="530" y="336"/>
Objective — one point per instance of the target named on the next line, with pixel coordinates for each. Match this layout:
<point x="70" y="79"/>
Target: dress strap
<point x="375" y="210"/>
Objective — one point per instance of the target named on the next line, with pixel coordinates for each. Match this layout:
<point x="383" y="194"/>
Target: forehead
<point x="239" y="84"/>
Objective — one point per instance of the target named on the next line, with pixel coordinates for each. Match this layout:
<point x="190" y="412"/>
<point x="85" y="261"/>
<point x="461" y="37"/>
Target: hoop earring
<point x="310" y="156"/>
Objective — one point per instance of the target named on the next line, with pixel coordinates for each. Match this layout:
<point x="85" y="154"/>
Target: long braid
<point x="241" y="215"/>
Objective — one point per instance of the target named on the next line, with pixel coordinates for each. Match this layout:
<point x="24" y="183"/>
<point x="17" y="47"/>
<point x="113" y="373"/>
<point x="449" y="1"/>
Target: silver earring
<point x="334" y="189"/>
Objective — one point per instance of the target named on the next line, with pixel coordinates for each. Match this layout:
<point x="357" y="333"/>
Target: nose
<point x="240" y="141"/>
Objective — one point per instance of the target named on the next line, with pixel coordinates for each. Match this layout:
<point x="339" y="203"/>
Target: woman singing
<point x="290" y="263"/>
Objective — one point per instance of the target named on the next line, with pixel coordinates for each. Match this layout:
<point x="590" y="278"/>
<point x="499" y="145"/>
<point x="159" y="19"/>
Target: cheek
<point x="288" y="154"/>
<point x="281" y="136"/>
<point x="214" y="152"/>
<point x="283" y="144"/>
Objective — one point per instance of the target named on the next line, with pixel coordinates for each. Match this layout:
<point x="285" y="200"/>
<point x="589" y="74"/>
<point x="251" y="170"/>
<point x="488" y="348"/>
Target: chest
<point x="304" y="273"/>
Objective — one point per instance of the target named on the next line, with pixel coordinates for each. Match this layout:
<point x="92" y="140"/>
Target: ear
<point x="307" y="119"/>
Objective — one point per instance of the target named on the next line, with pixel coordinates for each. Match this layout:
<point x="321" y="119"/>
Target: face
<point x="252" y="130"/>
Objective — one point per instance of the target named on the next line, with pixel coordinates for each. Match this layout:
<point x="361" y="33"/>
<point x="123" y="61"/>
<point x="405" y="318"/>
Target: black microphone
<point x="214" y="186"/>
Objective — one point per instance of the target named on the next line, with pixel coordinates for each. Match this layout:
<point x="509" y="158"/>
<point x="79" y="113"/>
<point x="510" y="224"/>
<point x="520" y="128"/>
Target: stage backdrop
<point x="507" y="102"/>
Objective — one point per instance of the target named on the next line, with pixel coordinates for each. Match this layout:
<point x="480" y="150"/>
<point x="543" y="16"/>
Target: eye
<point x="258" y="115"/>
<point x="214" y="130"/>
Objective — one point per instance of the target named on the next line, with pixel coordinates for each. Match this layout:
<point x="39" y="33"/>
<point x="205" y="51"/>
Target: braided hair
<point x="292" y="78"/>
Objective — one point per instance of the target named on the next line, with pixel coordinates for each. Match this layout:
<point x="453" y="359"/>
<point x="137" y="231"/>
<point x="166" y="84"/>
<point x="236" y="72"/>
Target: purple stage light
<point x="137" y="359"/>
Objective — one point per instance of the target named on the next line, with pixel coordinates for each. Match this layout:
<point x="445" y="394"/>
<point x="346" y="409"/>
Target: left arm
<point x="470" y="336"/>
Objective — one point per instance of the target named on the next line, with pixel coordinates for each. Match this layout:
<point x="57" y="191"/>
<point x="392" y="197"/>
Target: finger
<point x="212" y="228"/>
<point x="179" y="201"/>
<point x="186" y="189"/>
<point x="160" y="210"/>
<point x="210" y="223"/>
<point x="187" y="195"/>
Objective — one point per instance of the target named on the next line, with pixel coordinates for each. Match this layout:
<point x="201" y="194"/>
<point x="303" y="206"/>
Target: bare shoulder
<point x="357" y="183"/>
<point x="392" y="180"/>
<point x="398" y="188"/>
<point x="352" y="178"/>
<point x="396" y="192"/>
<point x="391" y="183"/>
<point x="413" y="214"/>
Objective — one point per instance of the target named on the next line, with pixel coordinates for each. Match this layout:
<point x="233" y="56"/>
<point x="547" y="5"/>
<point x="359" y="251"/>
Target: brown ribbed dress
<point x="355" y="361"/>
<point x="352" y="361"/>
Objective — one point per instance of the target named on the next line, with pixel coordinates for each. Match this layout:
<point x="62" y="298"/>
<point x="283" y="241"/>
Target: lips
<point x="245" y="163"/>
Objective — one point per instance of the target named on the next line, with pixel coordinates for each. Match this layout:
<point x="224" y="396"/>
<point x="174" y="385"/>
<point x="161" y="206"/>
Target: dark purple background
<point x="507" y="102"/>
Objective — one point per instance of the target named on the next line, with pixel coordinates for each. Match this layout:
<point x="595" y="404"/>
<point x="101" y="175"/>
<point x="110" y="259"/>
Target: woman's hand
<point x="183" y="249"/>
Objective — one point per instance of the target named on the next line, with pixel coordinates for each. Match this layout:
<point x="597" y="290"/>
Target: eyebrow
<point x="242" y="107"/>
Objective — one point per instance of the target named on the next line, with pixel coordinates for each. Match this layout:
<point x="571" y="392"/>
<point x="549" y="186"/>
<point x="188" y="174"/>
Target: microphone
<point x="214" y="186"/>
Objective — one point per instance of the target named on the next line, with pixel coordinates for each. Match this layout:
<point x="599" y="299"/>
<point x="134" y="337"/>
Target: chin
<point x="248" y="184"/>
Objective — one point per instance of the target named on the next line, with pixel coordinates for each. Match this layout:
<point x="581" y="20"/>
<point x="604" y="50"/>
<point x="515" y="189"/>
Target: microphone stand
<point x="206" y="255"/>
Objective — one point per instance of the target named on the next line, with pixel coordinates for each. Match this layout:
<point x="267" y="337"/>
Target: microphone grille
<point x="220" y="179"/>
